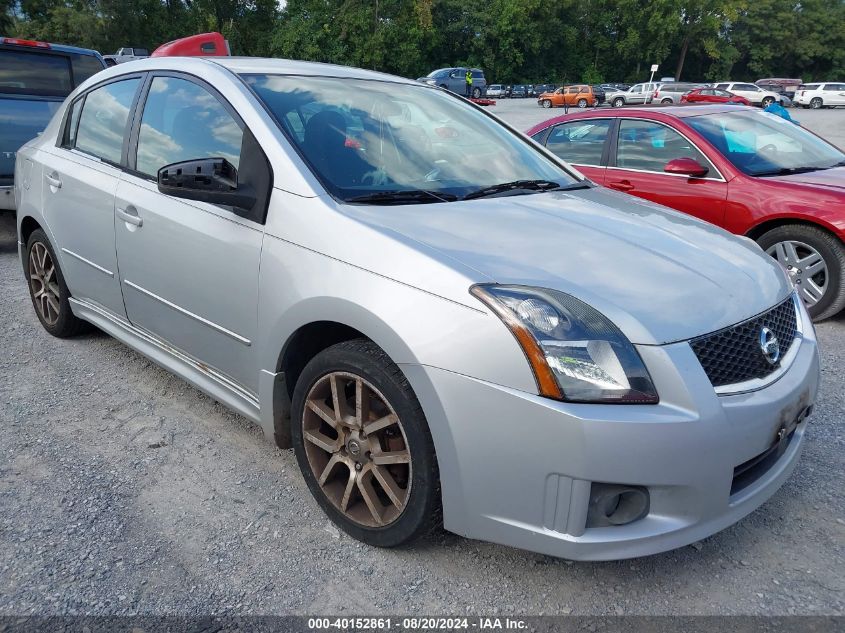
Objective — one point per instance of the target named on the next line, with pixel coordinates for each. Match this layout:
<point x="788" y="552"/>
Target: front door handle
<point x="53" y="180"/>
<point x="130" y="216"/>
<point x="623" y="185"/>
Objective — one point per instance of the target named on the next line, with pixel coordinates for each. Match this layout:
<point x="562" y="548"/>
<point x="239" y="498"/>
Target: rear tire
<point x="363" y="493"/>
<point x="767" y="101"/>
<point x="48" y="290"/>
<point x="581" y="103"/>
<point x="476" y="93"/>
<point x="667" y="102"/>
<point x="816" y="103"/>
<point x="805" y="239"/>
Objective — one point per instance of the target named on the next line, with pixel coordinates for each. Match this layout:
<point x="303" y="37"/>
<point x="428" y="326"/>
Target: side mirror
<point x="686" y="167"/>
<point x="212" y="180"/>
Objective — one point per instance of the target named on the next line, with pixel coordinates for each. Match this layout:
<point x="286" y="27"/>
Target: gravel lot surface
<point x="123" y="490"/>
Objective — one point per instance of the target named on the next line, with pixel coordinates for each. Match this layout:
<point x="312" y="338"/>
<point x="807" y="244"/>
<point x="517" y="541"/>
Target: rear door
<point x="582" y="143"/>
<point x="835" y="94"/>
<point x="80" y="179"/>
<point x="637" y="156"/>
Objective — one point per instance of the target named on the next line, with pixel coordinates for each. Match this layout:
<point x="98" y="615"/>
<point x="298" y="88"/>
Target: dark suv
<point x="35" y="77"/>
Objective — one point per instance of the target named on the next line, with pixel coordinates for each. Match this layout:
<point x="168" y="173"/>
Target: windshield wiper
<point x="523" y="185"/>
<point x="409" y="196"/>
<point x="788" y="171"/>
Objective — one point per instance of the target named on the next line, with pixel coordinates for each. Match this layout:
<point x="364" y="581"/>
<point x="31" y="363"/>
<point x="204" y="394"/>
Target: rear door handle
<point x="130" y="216"/>
<point x="53" y="180"/>
<point x="621" y="186"/>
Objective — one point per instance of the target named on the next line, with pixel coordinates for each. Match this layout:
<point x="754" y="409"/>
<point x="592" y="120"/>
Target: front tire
<point x="667" y="101"/>
<point x="363" y="445"/>
<point x="815" y="260"/>
<point x="618" y="102"/>
<point x="47" y="288"/>
<point x="547" y="103"/>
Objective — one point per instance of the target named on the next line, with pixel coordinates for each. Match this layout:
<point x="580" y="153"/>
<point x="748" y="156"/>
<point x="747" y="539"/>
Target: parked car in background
<point x="579" y="96"/>
<point x="454" y="79"/>
<point x="671" y="93"/>
<point x="519" y="91"/>
<point x="35" y="77"/>
<point x="780" y="85"/>
<point x="747" y="171"/>
<point x="599" y="93"/>
<point x="126" y="54"/>
<point x="496" y="91"/>
<point x="756" y="95"/>
<point x="713" y="95"/>
<point x="635" y="95"/>
<point x="821" y="95"/>
<point x="508" y="351"/>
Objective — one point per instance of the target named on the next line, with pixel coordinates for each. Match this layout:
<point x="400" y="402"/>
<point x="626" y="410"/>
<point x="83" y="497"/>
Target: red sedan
<point x="713" y="95"/>
<point x="749" y="172"/>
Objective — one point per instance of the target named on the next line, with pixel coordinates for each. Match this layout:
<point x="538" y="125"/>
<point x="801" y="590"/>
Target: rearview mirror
<point x="213" y="180"/>
<point x="686" y="167"/>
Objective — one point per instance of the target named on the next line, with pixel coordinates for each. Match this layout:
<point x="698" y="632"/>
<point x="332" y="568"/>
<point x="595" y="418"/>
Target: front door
<point x="80" y="179"/>
<point x="189" y="270"/>
<point x="636" y="167"/>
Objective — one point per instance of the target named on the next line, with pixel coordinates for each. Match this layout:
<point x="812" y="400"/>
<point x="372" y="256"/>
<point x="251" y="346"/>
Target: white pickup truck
<point x="126" y="54"/>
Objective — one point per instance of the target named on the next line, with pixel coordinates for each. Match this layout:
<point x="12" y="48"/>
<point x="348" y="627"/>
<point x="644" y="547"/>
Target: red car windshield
<point x="761" y="144"/>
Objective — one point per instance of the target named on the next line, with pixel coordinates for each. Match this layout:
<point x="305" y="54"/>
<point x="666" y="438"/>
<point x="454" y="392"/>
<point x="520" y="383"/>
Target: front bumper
<point x="7" y="198"/>
<point x="517" y="469"/>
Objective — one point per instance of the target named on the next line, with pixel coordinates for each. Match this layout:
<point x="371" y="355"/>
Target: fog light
<point x="614" y="504"/>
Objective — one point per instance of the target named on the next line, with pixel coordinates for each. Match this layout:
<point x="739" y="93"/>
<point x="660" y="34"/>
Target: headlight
<point x="575" y="352"/>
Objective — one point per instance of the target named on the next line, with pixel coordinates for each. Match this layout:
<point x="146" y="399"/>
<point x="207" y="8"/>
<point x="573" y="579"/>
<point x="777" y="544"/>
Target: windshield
<point x="763" y="144"/>
<point x="365" y="137"/>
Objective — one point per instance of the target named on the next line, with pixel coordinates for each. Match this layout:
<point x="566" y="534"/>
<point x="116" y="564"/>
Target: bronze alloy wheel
<point x="44" y="284"/>
<point x="357" y="449"/>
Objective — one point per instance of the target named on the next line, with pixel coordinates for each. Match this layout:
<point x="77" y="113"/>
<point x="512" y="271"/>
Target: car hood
<point x="659" y="275"/>
<point x="832" y="178"/>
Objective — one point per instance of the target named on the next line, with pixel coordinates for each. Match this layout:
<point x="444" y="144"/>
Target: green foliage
<point x="512" y="40"/>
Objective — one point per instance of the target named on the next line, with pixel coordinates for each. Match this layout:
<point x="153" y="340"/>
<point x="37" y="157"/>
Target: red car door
<point x="582" y="143"/>
<point x="638" y="157"/>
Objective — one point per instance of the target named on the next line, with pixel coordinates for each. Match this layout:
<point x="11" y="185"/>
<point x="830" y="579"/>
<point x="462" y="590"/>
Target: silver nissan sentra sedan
<point x="448" y="324"/>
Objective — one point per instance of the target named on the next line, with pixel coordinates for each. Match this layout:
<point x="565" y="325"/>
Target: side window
<point x="722" y="86"/>
<point x="69" y="136"/>
<point x="579" y="142"/>
<point x="648" y="146"/>
<point x="102" y="123"/>
<point x="183" y="121"/>
<point x="84" y="66"/>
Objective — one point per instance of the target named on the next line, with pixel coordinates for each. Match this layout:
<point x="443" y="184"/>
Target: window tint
<point x="748" y="87"/>
<point x="84" y="66"/>
<point x="102" y="124"/>
<point x="649" y="146"/>
<point x="722" y="86"/>
<point x="22" y="72"/>
<point x="183" y="121"/>
<point x="834" y="87"/>
<point x="579" y="142"/>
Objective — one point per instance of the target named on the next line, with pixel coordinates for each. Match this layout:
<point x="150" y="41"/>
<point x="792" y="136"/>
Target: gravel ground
<point x="125" y="491"/>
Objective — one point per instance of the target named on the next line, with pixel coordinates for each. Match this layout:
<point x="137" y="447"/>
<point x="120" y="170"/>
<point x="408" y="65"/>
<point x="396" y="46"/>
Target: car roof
<point x="657" y="113"/>
<point x="55" y="48"/>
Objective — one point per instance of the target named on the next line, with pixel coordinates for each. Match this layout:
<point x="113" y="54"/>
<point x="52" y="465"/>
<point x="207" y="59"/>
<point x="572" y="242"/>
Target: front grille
<point x="734" y="355"/>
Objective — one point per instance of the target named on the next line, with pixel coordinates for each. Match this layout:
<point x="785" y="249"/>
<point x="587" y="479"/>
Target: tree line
<point x="512" y="40"/>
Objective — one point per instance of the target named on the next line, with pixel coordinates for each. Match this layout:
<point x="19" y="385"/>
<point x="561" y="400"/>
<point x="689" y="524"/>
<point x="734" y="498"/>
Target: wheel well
<point x="306" y="343"/>
<point x="758" y="231"/>
<point x="28" y="225"/>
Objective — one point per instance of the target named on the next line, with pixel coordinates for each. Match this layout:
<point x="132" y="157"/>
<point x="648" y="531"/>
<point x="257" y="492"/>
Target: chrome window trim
<point x="755" y="384"/>
<point x="721" y="178"/>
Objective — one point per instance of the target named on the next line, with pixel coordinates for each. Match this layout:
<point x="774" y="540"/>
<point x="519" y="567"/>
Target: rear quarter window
<point x="42" y="74"/>
<point x="84" y="66"/>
